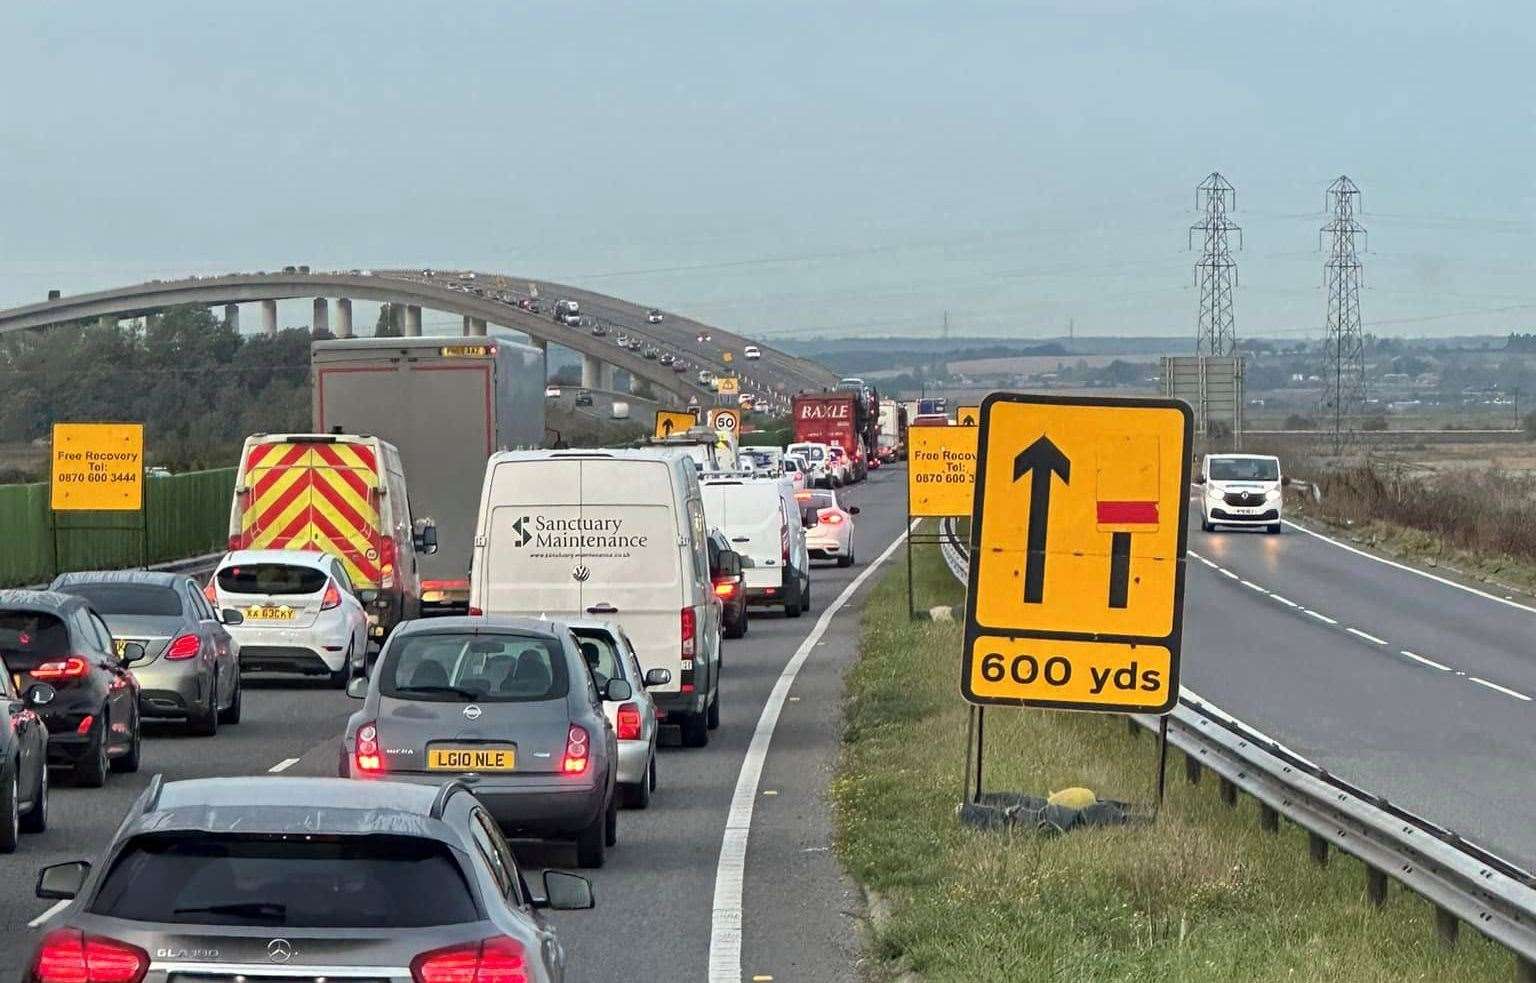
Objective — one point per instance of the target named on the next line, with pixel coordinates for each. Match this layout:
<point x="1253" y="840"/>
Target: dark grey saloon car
<point x="506" y="703"/>
<point x="278" y="878"/>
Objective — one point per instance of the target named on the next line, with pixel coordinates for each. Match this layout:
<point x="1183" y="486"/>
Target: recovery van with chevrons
<point x="342" y="494"/>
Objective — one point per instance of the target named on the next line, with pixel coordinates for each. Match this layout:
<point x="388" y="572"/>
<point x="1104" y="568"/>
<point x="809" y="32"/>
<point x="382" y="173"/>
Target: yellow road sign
<point x="669" y="422"/>
<point x="97" y="467"/>
<point x="724" y="418"/>
<point x="1077" y="559"/>
<point x="727" y="358"/>
<point x="728" y="385"/>
<point x="941" y="471"/>
<point x="967" y="416"/>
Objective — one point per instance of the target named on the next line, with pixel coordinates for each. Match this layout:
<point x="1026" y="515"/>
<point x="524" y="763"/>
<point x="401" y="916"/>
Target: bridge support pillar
<point x="269" y="318"/>
<point x="344" y="318"/>
<point x="591" y="372"/>
<point x="107" y="322"/>
<point x="232" y="316"/>
<point x="413" y="321"/>
<point x="608" y="379"/>
<point x="321" y="321"/>
<point x="474" y="326"/>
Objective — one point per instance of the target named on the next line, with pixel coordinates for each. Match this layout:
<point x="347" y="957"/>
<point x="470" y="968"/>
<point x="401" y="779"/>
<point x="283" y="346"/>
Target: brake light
<point x="210" y="593"/>
<point x="366" y="755"/>
<point x="496" y="960"/>
<point x="332" y="598"/>
<point x="68" y="955"/>
<point x="475" y="612"/>
<point x="386" y="562"/>
<point x="690" y="627"/>
<point x="183" y="647"/>
<point x="86" y="723"/>
<point x="831" y="518"/>
<point x="629" y="722"/>
<point x="725" y="588"/>
<point x="576" y="751"/>
<point x="73" y="667"/>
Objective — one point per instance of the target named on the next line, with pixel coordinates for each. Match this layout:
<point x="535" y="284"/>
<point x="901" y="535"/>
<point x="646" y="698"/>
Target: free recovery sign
<point x="97" y="467"/>
<point x="941" y="471"/>
<point x="1076" y="585"/>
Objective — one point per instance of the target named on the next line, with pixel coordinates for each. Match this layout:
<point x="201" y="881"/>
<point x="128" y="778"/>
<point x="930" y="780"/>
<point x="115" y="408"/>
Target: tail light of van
<point x="183" y="647"/>
<point x="386" y="562"/>
<point x="235" y="542"/>
<point x="366" y="755"/>
<point x="332" y="598"/>
<point x="690" y="630"/>
<point x="830" y="518"/>
<point x="68" y="955"/>
<point x="498" y="959"/>
<point x="578" y="751"/>
<point x="629" y="722"/>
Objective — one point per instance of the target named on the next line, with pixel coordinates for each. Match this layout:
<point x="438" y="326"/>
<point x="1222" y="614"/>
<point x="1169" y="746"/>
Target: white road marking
<point x="283" y="765"/>
<point x="53" y="909"/>
<point x="1228" y="573"/>
<point x="1284" y="600"/>
<point x="1413" y="570"/>
<point x="1428" y="662"/>
<point x="1366" y="635"/>
<point x="726" y="919"/>
<point x="1320" y="617"/>
<point x="1502" y="689"/>
<point x="1249" y="583"/>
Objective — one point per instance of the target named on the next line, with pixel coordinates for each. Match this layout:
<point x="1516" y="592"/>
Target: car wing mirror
<point x="619" y="690"/>
<point x="565" y="892"/>
<point x="658" y="677"/>
<point x="426" y="539"/>
<point x="38" y="695"/>
<point x="62" y="882"/>
<point x="357" y="687"/>
<point x="229" y="617"/>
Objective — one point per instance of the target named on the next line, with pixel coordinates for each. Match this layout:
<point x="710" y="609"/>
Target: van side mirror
<point x="565" y="892"/>
<point x="618" y="691"/>
<point x="230" y="617"/>
<point x="658" y="677"/>
<point x="357" y="687"/>
<point x="62" y="882"/>
<point x="1199" y="479"/>
<point x="426" y="539"/>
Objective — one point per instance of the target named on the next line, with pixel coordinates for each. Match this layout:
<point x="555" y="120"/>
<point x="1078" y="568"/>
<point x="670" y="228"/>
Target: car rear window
<point x="28" y="638"/>
<point x="130" y="599"/>
<point x="465" y="667"/>
<point x="288" y="882"/>
<point x="271" y="578"/>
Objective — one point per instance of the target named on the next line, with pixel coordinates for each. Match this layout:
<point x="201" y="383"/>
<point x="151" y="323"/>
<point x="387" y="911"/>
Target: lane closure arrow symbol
<point x="1041" y="460"/>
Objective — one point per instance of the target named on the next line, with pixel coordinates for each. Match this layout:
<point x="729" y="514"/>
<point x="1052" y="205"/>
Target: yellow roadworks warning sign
<point x="941" y="471"/>
<point x="669" y="422"/>
<point x="97" y="467"/>
<point x="967" y="416"/>
<point x="1077" y="562"/>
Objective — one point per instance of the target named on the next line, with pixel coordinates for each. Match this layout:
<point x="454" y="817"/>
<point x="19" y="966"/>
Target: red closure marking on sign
<point x="1127" y="512"/>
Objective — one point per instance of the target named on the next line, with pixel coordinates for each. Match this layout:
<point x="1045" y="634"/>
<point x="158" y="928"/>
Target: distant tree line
<point x="197" y="384"/>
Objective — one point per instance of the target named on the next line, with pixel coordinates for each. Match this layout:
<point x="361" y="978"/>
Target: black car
<point x="23" y="762"/>
<point x="279" y="878"/>
<point x="93" y="718"/>
<point x="725" y="570"/>
<point x="583" y="397"/>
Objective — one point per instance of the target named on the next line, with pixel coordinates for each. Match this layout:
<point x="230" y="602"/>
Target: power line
<point x="1215" y="271"/>
<point x="1344" y="345"/>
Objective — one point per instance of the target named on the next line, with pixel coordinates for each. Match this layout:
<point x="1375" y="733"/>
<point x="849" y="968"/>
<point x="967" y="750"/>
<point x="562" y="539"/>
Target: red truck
<point x="828" y="418"/>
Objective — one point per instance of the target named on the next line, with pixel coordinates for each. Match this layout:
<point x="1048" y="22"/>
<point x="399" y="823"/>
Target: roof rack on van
<point x="461" y="783"/>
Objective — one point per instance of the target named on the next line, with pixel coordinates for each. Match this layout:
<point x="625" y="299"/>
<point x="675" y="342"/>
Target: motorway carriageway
<point x="1397" y="680"/>
<point x="656" y="914"/>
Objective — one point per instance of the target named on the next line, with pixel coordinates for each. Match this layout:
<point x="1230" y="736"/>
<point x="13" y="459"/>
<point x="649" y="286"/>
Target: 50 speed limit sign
<point x="725" y="419"/>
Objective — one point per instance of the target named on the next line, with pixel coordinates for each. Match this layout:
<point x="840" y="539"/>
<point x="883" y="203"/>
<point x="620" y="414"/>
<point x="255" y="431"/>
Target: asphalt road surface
<point x="655" y="915"/>
<point x="1401" y="682"/>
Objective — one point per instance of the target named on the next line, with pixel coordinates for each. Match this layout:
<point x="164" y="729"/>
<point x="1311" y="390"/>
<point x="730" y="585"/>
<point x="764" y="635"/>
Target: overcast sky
<point x="786" y="168"/>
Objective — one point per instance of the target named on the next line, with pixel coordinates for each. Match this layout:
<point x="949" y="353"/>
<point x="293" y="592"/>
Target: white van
<point x="618" y="535"/>
<point x="818" y="460"/>
<point x="762" y="521"/>
<point x="1241" y="490"/>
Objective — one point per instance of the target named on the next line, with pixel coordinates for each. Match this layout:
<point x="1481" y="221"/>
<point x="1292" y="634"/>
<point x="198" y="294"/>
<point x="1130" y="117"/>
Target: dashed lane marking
<point x="1366" y="635"/>
<point x="53" y="909"/>
<point x="1428" y="662"/>
<point x="1502" y="689"/>
<point x="1320" y="616"/>
<point x="282" y="765"/>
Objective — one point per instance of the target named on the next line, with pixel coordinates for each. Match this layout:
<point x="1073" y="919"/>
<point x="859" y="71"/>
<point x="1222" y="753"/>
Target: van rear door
<point x="318" y="495"/>
<point x="752" y="517"/>
<point x="524" y="571"/>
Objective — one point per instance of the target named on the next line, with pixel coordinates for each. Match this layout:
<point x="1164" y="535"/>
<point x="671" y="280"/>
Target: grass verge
<point x="1203" y="894"/>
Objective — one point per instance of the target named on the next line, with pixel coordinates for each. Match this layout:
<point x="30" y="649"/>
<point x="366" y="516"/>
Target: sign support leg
<point x="970" y="749"/>
<point x="981" y="719"/>
<point x="1162" y="758"/>
<point x="911" y="603"/>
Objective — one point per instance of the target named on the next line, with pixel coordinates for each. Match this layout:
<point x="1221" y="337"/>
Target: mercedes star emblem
<point x="279" y="950"/>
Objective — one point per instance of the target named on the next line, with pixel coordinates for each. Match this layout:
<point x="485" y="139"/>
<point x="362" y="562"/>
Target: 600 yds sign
<point x="1071" y="671"/>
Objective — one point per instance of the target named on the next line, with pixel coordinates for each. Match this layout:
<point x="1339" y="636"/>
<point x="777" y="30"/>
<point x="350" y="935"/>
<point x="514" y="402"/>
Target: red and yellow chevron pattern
<point x="320" y="496"/>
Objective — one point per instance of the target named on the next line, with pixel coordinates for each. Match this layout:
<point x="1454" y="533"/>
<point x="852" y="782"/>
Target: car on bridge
<point x="653" y="316"/>
<point x="599" y="330"/>
<point x="752" y="352"/>
<point x="254" y="877"/>
<point x="651" y="353"/>
<point x="667" y="358"/>
<point x="678" y="365"/>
